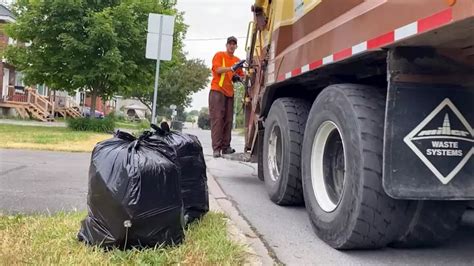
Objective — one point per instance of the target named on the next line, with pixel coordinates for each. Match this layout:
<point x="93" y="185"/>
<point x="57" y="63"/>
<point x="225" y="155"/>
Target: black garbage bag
<point x="134" y="196"/>
<point x="193" y="171"/>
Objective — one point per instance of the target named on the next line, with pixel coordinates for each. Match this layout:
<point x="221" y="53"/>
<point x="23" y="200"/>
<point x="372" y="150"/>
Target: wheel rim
<point x="328" y="166"/>
<point x="274" y="153"/>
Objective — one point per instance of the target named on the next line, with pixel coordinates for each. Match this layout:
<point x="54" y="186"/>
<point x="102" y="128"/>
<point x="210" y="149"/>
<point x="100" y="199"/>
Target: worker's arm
<point x="221" y="70"/>
<point x="235" y="68"/>
<point x="217" y="65"/>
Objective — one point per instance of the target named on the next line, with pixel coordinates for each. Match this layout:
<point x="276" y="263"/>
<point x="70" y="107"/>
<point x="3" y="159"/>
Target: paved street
<point x="36" y="181"/>
<point x="287" y="230"/>
<point x="41" y="181"/>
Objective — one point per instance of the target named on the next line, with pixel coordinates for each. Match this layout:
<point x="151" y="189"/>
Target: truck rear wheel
<point x="342" y="169"/>
<point x="284" y="129"/>
<point x="429" y="223"/>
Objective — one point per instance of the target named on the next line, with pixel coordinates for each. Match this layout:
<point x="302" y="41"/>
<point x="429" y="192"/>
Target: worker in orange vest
<point x="225" y="68"/>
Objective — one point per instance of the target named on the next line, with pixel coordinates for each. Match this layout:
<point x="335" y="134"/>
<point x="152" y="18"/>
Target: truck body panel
<point x="303" y="46"/>
<point x="328" y="32"/>
<point x="344" y="28"/>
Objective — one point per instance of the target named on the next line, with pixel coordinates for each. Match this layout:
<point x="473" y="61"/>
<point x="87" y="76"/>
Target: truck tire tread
<point x="296" y="111"/>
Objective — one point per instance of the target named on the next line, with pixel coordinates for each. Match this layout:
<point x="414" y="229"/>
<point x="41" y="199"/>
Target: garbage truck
<point x="362" y="110"/>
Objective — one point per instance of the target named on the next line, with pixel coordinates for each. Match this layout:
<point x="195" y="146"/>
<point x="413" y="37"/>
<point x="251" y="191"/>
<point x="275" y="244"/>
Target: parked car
<point x="86" y="112"/>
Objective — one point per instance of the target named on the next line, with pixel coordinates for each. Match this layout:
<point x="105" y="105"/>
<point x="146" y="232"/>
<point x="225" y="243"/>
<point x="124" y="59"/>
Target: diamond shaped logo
<point x="443" y="141"/>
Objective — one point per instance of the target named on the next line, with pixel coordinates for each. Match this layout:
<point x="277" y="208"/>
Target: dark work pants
<point x="221" y="111"/>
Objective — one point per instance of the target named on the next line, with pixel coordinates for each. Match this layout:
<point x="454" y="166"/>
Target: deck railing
<point x="29" y="96"/>
<point x="64" y="102"/>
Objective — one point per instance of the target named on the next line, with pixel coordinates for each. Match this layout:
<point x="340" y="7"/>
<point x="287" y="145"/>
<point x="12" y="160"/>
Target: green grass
<point x="142" y="125"/>
<point x="51" y="240"/>
<point x="48" y="138"/>
<point x="105" y="125"/>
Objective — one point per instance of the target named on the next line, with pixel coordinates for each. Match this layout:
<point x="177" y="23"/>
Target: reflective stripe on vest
<point x="221" y="81"/>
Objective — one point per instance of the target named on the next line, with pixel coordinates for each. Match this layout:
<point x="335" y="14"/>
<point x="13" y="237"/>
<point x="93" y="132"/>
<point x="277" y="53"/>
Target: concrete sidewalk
<point x="31" y="123"/>
<point x="239" y="229"/>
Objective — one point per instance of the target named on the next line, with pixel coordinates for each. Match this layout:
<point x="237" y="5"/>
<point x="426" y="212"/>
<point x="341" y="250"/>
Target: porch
<point x="29" y="104"/>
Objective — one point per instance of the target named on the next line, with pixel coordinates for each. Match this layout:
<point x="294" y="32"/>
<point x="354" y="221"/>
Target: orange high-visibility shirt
<point x="223" y="59"/>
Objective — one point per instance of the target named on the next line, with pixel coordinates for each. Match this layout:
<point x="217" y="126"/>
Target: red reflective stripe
<point x="435" y="20"/>
<point x="381" y="40"/>
<point x="296" y="72"/>
<point x="343" y="54"/>
<point x="425" y="24"/>
<point x="315" y="64"/>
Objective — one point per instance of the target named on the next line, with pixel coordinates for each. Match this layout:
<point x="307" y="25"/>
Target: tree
<point x="90" y="44"/>
<point x="176" y="85"/>
<point x="181" y="114"/>
<point x="193" y="113"/>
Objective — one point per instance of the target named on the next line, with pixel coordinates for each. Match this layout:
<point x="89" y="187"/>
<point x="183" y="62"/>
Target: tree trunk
<point x="145" y="103"/>
<point x="93" y="103"/>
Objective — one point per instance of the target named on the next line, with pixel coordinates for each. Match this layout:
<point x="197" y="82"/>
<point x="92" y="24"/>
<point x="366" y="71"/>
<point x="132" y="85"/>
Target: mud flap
<point x="428" y="146"/>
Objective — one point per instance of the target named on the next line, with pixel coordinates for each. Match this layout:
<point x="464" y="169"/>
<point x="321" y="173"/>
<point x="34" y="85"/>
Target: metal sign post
<point x="157" y="75"/>
<point x="159" y="46"/>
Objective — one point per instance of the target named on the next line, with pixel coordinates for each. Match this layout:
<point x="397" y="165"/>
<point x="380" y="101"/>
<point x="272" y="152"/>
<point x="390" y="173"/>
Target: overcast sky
<point x="210" y="19"/>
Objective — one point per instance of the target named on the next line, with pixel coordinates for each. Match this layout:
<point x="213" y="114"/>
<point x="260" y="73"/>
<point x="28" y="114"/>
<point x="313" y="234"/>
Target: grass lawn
<point x="48" y="138"/>
<point x="46" y="240"/>
<point x="143" y="125"/>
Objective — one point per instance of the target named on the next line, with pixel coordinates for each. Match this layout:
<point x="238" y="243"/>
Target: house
<point x="9" y="77"/>
<point x="39" y="101"/>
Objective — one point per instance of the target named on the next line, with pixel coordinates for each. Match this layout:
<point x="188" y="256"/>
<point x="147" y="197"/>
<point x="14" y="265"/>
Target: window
<point x="19" y="79"/>
<point x="41" y="89"/>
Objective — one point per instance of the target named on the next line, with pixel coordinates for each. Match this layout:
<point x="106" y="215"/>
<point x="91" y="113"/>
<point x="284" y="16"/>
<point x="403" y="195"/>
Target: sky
<point x="211" y="19"/>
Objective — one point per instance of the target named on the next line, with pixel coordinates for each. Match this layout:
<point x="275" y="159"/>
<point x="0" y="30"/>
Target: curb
<point x="238" y="228"/>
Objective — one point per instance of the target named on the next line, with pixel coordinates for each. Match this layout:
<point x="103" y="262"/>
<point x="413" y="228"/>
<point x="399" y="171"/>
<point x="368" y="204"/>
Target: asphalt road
<point x="36" y="181"/>
<point x="287" y="230"/>
<point x="42" y="182"/>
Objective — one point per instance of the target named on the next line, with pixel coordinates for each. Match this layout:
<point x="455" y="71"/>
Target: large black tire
<point x="288" y="117"/>
<point x="360" y="215"/>
<point x="429" y="223"/>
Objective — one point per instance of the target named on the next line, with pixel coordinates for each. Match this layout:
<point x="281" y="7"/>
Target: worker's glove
<point x="238" y="65"/>
<point x="236" y="78"/>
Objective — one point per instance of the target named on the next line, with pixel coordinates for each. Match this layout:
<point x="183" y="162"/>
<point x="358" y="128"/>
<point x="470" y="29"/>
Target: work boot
<point x="216" y="154"/>
<point x="228" y="150"/>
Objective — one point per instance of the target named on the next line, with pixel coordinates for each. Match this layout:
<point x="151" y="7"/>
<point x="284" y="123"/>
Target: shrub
<point x="191" y="119"/>
<point x="117" y="116"/>
<point x="204" y="121"/>
<point x="88" y="124"/>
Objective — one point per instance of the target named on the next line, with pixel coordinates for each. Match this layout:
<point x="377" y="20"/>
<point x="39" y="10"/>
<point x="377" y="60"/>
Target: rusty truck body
<point x="363" y="110"/>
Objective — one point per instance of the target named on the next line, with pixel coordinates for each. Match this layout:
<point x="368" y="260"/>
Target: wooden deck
<point x="32" y="105"/>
